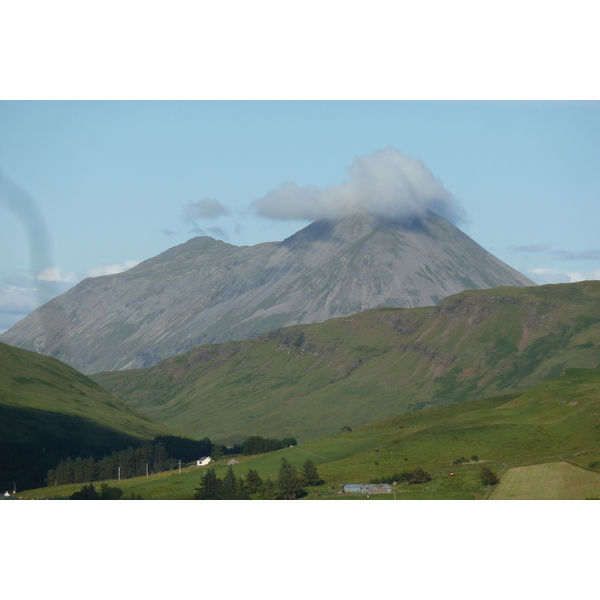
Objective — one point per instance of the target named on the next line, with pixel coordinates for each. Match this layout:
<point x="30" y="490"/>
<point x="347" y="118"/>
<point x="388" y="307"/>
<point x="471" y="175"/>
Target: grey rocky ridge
<point x="207" y="291"/>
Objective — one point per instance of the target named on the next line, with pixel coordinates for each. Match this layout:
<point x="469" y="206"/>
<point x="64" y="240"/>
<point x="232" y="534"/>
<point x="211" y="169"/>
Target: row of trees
<point x="417" y="475"/>
<point x="462" y="459"/>
<point x="153" y="457"/>
<point x="164" y="453"/>
<point x="88" y="492"/>
<point x="288" y="485"/>
<point x="259" y="445"/>
<point x="124" y="464"/>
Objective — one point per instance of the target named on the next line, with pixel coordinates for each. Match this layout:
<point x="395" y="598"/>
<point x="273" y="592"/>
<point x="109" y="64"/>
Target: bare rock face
<point x="206" y="291"/>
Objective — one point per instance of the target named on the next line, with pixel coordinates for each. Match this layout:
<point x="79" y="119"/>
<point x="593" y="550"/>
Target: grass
<point x="550" y="481"/>
<point x="551" y="423"/>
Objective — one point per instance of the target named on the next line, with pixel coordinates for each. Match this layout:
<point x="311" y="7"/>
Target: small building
<point x="371" y="488"/>
<point x="232" y="462"/>
<point x="202" y="462"/>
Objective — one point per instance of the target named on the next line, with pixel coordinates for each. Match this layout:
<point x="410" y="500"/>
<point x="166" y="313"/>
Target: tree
<point x="242" y="490"/>
<point x="346" y="429"/>
<point x="288" y="481"/>
<point x="269" y="490"/>
<point x="210" y="486"/>
<point x="253" y="482"/>
<point x="216" y="453"/>
<point x="110" y="493"/>
<point x="229" y="487"/>
<point x="310" y="474"/>
<point x="87" y="492"/>
<point x="488" y="476"/>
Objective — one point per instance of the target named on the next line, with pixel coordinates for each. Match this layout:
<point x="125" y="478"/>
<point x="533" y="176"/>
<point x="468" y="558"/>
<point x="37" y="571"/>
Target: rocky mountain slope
<point x="308" y="381"/>
<point x="207" y="291"/>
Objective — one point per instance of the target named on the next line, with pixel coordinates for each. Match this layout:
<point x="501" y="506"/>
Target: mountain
<point x="308" y="381"/>
<point x="49" y="411"/>
<point x="207" y="291"/>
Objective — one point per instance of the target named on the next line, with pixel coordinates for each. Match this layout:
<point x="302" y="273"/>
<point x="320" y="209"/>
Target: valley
<point x="521" y="437"/>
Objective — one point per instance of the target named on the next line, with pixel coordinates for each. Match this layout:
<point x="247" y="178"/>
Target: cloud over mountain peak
<point x="386" y="183"/>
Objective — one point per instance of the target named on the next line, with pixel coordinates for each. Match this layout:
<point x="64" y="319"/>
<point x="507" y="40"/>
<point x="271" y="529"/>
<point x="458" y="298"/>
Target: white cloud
<point x="55" y="274"/>
<point x="549" y="275"/>
<point x="17" y="300"/>
<point x="111" y="269"/>
<point x="385" y="183"/>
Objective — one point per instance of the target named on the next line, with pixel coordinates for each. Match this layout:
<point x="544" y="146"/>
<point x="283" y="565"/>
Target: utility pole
<point x="180" y="466"/>
<point x="119" y="475"/>
<point x="146" y="470"/>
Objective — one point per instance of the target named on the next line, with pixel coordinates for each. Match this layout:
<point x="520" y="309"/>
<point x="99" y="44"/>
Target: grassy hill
<point x="308" y="381"/>
<point x="551" y="423"/>
<point x="49" y="411"/>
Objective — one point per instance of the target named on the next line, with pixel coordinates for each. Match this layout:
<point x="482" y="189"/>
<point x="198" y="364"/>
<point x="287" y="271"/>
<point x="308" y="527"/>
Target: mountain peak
<point x="207" y="291"/>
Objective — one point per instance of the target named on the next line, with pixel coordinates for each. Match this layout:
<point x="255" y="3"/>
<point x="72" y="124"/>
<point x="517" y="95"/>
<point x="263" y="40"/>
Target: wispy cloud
<point x="532" y="249"/>
<point x="549" y="275"/>
<point x="568" y="255"/>
<point x="559" y="253"/>
<point x="55" y="274"/>
<point x="206" y="209"/>
<point x="112" y="268"/>
<point x="203" y="209"/>
<point x="218" y="233"/>
<point x="385" y="183"/>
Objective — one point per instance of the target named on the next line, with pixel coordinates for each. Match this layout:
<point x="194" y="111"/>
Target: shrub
<point x="488" y="476"/>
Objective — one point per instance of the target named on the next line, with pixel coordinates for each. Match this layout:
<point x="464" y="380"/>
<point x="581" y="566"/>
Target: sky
<point x="90" y="188"/>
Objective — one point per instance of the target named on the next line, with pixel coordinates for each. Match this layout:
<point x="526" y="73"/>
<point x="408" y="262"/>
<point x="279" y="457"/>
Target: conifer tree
<point x="87" y="492"/>
<point x="210" y="486"/>
<point x="229" y="487"/>
<point x="309" y="473"/>
<point x="254" y="482"/>
<point x="269" y="490"/>
<point x="288" y="481"/>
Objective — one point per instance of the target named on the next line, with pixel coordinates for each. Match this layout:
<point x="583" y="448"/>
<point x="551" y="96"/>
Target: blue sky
<point x="315" y="96"/>
<point x="113" y="183"/>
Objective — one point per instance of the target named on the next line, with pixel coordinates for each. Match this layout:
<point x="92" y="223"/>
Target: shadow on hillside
<point x="32" y="441"/>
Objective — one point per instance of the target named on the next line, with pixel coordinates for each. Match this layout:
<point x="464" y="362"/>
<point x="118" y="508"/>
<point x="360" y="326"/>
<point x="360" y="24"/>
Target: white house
<point x="202" y="462"/>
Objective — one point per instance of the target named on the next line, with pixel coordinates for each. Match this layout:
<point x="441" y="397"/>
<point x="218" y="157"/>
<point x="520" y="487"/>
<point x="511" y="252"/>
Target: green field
<point x="550" y="481"/>
<point x="553" y="422"/>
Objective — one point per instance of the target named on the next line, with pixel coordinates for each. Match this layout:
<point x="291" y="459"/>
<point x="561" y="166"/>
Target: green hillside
<point x="49" y="411"/>
<point x="552" y="423"/>
<point x="308" y="381"/>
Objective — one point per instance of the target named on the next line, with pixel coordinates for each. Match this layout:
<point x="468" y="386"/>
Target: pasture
<point x="549" y="481"/>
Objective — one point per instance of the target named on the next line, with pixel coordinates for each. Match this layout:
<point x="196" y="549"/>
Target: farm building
<point x="202" y="462"/>
<point x="372" y="488"/>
